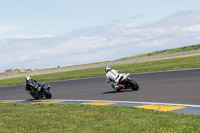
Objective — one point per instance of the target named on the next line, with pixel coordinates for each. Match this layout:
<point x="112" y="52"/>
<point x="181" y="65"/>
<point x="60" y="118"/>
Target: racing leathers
<point x="113" y="78"/>
<point x="32" y="85"/>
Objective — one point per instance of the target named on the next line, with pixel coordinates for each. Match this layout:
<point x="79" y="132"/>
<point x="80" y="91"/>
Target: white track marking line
<point x="173" y="104"/>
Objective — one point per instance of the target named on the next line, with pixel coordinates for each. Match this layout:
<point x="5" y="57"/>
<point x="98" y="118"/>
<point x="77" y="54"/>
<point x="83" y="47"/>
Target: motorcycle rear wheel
<point x="134" y="85"/>
<point x="47" y="94"/>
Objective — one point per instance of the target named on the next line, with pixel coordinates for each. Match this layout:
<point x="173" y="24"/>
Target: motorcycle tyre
<point x="134" y="85"/>
<point x="47" y="94"/>
<point x="35" y="96"/>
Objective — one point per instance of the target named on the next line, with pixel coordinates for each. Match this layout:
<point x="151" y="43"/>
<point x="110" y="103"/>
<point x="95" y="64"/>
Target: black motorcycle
<point x="41" y="92"/>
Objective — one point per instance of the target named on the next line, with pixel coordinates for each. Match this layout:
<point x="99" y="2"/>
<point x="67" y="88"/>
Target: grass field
<point x="175" y="63"/>
<point x="62" y="118"/>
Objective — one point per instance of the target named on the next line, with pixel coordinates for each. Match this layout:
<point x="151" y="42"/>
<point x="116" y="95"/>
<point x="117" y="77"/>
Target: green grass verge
<point x="62" y="118"/>
<point x="184" y="62"/>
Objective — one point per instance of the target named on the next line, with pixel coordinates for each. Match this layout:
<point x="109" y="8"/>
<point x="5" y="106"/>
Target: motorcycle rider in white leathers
<point x="113" y="77"/>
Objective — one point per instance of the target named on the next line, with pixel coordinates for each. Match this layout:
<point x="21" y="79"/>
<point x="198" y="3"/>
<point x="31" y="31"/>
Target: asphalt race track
<point x="179" y="87"/>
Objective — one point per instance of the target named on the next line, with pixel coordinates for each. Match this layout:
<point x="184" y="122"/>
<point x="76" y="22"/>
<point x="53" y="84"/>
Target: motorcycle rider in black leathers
<point x="31" y="85"/>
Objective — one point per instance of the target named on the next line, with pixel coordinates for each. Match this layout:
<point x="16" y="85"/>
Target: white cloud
<point x="11" y="30"/>
<point x="24" y="58"/>
<point x="192" y="28"/>
<point x="100" y="43"/>
<point x="8" y="28"/>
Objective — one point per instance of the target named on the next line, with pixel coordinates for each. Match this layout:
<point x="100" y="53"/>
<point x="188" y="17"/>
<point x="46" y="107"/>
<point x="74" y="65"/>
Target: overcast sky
<point x="50" y="33"/>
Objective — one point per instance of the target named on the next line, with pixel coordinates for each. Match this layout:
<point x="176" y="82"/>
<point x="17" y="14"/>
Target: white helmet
<point x="108" y="68"/>
<point x="27" y="78"/>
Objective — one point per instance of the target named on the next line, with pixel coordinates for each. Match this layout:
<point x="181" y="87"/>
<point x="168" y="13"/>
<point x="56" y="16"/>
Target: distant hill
<point x="166" y="51"/>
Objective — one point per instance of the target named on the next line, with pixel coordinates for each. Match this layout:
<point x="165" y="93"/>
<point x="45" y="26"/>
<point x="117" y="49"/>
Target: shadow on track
<point x="112" y="92"/>
<point x="32" y="100"/>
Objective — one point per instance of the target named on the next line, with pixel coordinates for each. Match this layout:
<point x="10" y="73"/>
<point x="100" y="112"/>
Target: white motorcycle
<point x="125" y="82"/>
